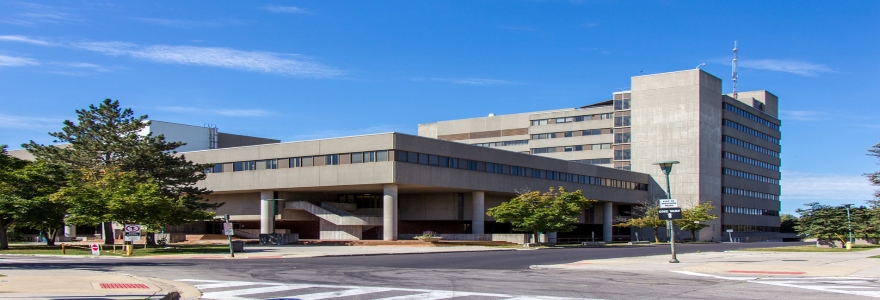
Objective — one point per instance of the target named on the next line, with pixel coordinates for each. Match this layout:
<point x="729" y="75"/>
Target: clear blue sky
<point x="312" y="69"/>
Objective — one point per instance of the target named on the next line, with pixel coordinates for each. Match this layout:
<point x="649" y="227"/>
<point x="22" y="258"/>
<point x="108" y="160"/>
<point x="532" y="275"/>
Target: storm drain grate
<point x="124" y="286"/>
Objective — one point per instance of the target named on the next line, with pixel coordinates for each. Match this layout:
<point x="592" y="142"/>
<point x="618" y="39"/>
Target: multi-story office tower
<point x="728" y="148"/>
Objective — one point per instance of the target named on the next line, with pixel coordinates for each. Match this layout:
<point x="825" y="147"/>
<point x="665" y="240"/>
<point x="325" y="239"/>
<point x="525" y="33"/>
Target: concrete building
<point x="728" y="148"/>
<point x="392" y="185"/>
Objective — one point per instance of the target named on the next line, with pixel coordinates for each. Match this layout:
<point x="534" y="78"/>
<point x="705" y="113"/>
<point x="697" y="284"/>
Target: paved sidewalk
<point x="831" y="264"/>
<point x="66" y="284"/>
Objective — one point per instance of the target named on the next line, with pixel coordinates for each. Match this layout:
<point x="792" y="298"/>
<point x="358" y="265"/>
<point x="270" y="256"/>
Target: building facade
<point x="728" y="148"/>
<point x="392" y="185"/>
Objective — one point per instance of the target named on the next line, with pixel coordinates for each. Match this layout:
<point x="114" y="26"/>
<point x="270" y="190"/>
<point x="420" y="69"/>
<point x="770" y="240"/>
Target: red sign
<point x="94" y="247"/>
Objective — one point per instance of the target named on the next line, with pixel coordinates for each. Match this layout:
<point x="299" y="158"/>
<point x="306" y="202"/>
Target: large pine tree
<point x="107" y="139"/>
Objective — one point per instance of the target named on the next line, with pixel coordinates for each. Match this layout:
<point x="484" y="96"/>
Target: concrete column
<point x="69" y="231"/>
<point x="607" y="222"/>
<point x="478" y="221"/>
<point x="389" y="212"/>
<point x="266" y="217"/>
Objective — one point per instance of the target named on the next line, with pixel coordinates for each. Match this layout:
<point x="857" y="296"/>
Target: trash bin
<point x="237" y="246"/>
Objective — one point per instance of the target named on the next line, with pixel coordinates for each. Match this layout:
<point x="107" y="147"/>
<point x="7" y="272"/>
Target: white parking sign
<point x="132" y="233"/>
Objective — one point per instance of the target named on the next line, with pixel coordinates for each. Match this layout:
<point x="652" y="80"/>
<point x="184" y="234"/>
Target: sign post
<point x="227" y="230"/>
<point x="669" y="214"/>
<point x="730" y="235"/>
<point x="131" y="235"/>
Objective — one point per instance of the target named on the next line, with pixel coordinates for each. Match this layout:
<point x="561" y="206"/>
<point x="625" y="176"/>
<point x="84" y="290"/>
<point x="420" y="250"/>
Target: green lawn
<point x="857" y="247"/>
<point x="108" y="250"/>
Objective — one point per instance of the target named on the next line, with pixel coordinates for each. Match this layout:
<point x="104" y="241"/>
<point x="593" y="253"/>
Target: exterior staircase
<point x="336" y="223"/>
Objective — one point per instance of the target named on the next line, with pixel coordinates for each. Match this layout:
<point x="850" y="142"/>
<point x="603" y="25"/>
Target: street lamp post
<point x="666" y="167"/>
<point x="849" y="225"/>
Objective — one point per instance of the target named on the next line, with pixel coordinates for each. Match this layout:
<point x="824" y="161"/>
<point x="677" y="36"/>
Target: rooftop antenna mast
<point x="735" y="50"/>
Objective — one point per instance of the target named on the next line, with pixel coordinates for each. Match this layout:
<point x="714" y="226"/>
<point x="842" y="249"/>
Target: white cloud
<point x="801" y="186"/>
<point x="28" y="123"/>
<point x="34" y="14"/>
<point x="469" y="81"/>
<point x="788" y="66"/>
<point x="177" y="23"/>
<point x="12" y="61"/>
<point x="803" y="115"/>
<point x="285" y="9"/>
<point x="23" y="39"/>
<point x="254" y="61"/>
<point x="232" y="112"/>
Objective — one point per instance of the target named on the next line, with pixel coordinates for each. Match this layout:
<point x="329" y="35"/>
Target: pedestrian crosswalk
<point x="868" y="287"/>
<point x="214" y="289"/>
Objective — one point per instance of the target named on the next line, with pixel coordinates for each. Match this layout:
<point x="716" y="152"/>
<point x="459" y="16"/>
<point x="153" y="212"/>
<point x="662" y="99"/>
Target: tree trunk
<point x="536" y="237"/>
<point x="107" y="233"/>
<point x="693" y="235"/>
<point x="51" y="235"/>
<point x="656" y="235"/>
<point x="4" y="239"/>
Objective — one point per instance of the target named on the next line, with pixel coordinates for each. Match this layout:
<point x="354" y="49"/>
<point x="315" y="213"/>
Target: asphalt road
<point x="473" y="275"/>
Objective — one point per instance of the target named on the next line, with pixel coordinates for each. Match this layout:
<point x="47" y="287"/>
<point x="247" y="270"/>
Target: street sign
<point x="96" y="250"/>
<point x="132" y="233"/>
<point x="730" y="230"/>
<point x="227" y="229"/>
<point x="668" y="203"/>
<point x="673" y="213"/>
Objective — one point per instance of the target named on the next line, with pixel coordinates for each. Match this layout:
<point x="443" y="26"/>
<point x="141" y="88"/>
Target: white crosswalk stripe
<point x="869" y="287"/>
<point x="214" y="289"/>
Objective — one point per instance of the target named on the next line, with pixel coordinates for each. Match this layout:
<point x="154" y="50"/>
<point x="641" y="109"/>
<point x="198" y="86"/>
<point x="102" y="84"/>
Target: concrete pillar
<point x="69" y="231"/>
<point x="607" y="222"/>
<point x="478" y="221"/>
<point x="266" y="217"/>
<point x="389" y="212"/>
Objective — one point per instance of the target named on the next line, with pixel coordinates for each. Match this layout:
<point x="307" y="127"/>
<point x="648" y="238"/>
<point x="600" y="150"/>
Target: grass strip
<point x="108" y="250"/>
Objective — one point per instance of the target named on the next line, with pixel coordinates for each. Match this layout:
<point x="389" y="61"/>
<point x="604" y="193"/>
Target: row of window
<point x="751" y="161"/>
<point x="369" y="156"/>
<point x="750" y="146"/>
<point x="750" y="116"/>
<point x="572" y="148"/>
<point x="480" y="166"/>
<point x="303" y="161"/>
<point x="748" y="130"/>
<point x="594" y="161"/>
<point x="750" y="211"/>
<point x="750" y="176"/>
<point x="502" y="144"/>
<point x="604" y="116"/>
<point x="751" y="228"/>
<point x="747" y="193"/>
<point x="553" y="135"/>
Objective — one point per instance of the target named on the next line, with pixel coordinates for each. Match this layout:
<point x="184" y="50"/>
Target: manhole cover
<point x="124" y="286"/>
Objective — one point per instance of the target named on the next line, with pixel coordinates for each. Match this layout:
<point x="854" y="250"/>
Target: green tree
<point x="553" y="211"/>
<point x="25" y="187"/>
<point x="107" y="139"/>
<point x="123" y="197"/>
<point x="819" y="220"/>
<point x="694" y="218"/>
<point x="787" y="223"/>
<point x="644" y="215"/>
